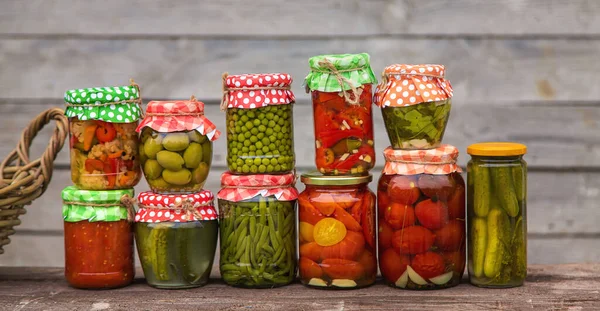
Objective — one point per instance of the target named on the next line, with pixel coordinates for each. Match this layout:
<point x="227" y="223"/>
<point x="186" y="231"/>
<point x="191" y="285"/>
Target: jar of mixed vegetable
<point x="258" y="230"/>
<point x="337" y="232"/>
<point x="176" y="145"/>
<point x="260" y="132"/>
<point x="98" y="237"/>
<point x="103" y="141"/>
<point x="176" y="237"/>
<point x="421" y="205"/>
<point x="496" y="214"/>
<point x="415" y="103"/>
<point x="342" y="106"/>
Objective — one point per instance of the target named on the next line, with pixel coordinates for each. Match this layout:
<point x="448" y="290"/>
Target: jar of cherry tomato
<point x="98" y="237"/>
<point x="103" y="142"/>
<point x="260" y="131"/>
<point x="176" y="147"/>
<point x="257" y="216"/>
<point x="421" y="208"/>
<point x="415" y="104"/>
<point x="176" y="238"/>
<point x="337" y="232"/>
<point x="342" y="98"/>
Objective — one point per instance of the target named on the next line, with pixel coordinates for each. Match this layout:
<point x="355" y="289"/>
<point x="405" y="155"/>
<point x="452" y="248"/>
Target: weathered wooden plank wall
<point x="522" y="70"/>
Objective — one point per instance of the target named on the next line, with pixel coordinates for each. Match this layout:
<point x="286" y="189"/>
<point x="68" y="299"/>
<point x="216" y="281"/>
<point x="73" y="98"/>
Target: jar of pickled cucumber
<point x="103" y="142"/>
<point x="340" y="86"/>
<point x="415" y="102"/>
<point x="98" y="237"/>
<point x="176" y="145"/>
<point x="260" y="132"/>
<point x="176" y="237"/>
<point x="421" y="208"/>
<point x="337" y="232"/>
<point x="258" y="230"/>
<point x="497" y="214"/>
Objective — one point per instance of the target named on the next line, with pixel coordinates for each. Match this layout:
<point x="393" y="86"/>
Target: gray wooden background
<point x="525" y="71"/>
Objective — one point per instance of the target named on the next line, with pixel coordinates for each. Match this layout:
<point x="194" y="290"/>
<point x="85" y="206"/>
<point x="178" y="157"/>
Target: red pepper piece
<point x="110" y="169"/>
<point x="330" y="138"/>
<point x="105" y="132"/>
<point x="92" y="165"/>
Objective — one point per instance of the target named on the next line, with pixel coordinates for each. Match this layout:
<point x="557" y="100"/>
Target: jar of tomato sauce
<point x="421" y="208"/>
<point x="103" y="142"/>
<point x="341" y="86"/>
<point x="98" y="237"/>
<point x="337" y="232"/>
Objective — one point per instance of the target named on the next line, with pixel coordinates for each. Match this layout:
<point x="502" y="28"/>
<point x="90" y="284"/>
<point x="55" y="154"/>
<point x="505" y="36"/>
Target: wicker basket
<point x="24" y="180"/>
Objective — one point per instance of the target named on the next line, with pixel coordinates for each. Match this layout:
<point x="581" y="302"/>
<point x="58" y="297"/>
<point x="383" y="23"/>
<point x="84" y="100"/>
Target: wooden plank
<point x="301" y="19"/>
<point x="563" y="287"/>
<point x="481" y="69"/>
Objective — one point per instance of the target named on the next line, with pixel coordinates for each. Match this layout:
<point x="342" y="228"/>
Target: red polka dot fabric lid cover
<point x="437" y="161"/>
<point x="154" y="207"/>
<point x="243" y="187"/>
<point x="177" y="116"/>
<point x="405" y="85"/>
<point x="245" y="91"/>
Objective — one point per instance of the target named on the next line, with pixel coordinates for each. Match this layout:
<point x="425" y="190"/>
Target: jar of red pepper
<point x="342" y="97"/>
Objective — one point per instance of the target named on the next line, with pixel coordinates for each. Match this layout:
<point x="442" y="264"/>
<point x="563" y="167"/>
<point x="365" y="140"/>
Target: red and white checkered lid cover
<point x="177" y="116"/>
<point x="406" y="85"/>
<point x="243" y="187"/>
<point x="202" y="202"/>
<point x="438" y="161"/>
<point x="242" y="92"/>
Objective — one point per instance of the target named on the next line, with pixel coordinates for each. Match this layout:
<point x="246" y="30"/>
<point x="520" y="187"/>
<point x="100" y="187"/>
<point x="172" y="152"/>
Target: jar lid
<point x="257" y="90"/>
<point x="498" y="149"/>
<point x="177" y="116"/>
<point x="316" y="178"/>
<point x="437" y="161"/>
<point x="157" y="207"/>
<point x="406" y="85"/>
<point x="96" y="205"/>
<point x="116" y="104"/>
<point x="329" y="72"/>
<point x="237" y="188"/>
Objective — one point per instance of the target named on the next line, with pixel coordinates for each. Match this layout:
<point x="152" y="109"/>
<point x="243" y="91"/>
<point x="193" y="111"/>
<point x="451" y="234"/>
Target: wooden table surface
<point x="548" y="287"/>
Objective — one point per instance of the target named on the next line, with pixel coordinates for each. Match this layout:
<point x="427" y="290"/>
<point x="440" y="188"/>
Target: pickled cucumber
<point x="481" y="189"/>
<point x="498" y="227"/>
<point x="502" y="182"/>
<point x="478" y="244"/>
<point x="519" y="182"/>
<point x="519" y="247"/>
<point x="158" y="252"/>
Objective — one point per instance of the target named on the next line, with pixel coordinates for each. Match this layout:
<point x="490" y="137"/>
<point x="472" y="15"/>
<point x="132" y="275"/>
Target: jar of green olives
<point x="176" y="146"/>
<point x="260" y="134"/>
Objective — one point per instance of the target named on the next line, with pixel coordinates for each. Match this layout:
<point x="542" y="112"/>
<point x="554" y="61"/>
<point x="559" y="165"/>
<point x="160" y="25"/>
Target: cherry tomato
<point x="105" y="132"/>
<point x="342" y="269"/>
<point x="383" y="201"/>
<point x="356" y="211"/>
<point x="306" y="232"/>
<point x="439" y="187"/>
<point x="369" y="262"/>
<point x="368" y="219"/>
<point x="309" y="269"/>
<point x="399" y="215"/>
<point x="403" y="189"/>
<point x="432" y="215"/>
<point x="329" y="231"/>
<point x="347" y="219"/>
<point x="385" y="235"/>
<point x="451" y="236"/>
<point x="455" y="261"/>
<point x="428" y="265"/>
<point x="412" y="240"/>
<point x="307" y="212"/>
<point x="311" y="251"/>
<point x="349" y="248"/>
<point x="324" y="202"/>
<point x="345" y="199"/>
<point x="393" y="265"/>
<point x="456" y="203"/>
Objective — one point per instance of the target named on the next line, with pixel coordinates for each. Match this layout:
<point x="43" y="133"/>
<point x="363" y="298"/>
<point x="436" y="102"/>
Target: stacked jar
<point x="337" y="209"/>
<point x="176" y="225"/>
<point x="105" y="166"/>
<point x="421" y="194"/>
<point x="257" y="201"/>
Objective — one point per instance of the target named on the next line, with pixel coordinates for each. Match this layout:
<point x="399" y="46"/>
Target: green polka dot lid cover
<point x="116" y="104"/>
<point x="326" y="71"/>
<point x="75" y="206"/>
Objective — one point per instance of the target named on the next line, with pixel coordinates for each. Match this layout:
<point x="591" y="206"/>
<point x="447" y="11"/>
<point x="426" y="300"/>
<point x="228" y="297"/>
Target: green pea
<point x="247" y="134"/>
<point x="264" y="122"/>
<point x="269" y="132"/>
<point x="239" y="162"/>
<point x="253" y="139"/>
<point x="266" y="161"/>
<point x="262" y="169"/>
<point x="279" y="135"/>
<point x="275" y="152"/>
<point x="251" y="114"/>
<point x="245" y="149"/>
<point x="278" y="168"/>
<point x="244" y="129"/>
<point x="277" y="128"/>
<point x="284" y="129"/>
<point x="259" y="145"/>
<point x="235" y="117"/>
<point x="259" y="153"/>
<point x="254" y="131"/>
<point x="256" y="122"/>
<point x="262" y="128"/>
<point x="261" y="115"/>
<point x="281" y="122"/>
<point x="265" y="149"/>
<point x="238" y="111"/>
<point x="252" y="148"/>
<point x="249" y="125"/>
<point x="249" y="161"/>
<point x="260" y="135"/>
<point x="272" y="146"/>
<point x="257" y="161"/>
<point x="240" y="137"/>
<point x="276" y="118"/>
<point x="252" y="154"/>
<point x="273" y="161"/>
<point x="247" y="143"/>
<point x="246" y="168"/>
<point x="273" y="138"/>
<point x="234" y="150"/>
<point x="244" y="118"/>
<point x="233" y="166"/>
<point x="267" y="141"/>
<point x="270" y="168"/>
<point x="270" y="115"/>
<point x="254" y="169"/>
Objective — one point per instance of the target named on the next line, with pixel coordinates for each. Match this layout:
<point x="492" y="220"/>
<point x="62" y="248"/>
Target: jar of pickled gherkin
<point x="337" y="232"/>
<point x="421" y="208"/>
<point x="497" y="214"/>
<point x="176" y="237"/>
<point x="98" y="237"/>
<point x="258" y="229"/>
<point x="415" y="101"/>
<point x="342" y="110"/>
<point x="176" y="145"/>
<point x="260" y="132"/>
<point x="103" y="142"/>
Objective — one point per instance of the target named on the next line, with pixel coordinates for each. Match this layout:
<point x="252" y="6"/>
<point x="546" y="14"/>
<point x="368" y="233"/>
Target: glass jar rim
<point x="318" y="179"/>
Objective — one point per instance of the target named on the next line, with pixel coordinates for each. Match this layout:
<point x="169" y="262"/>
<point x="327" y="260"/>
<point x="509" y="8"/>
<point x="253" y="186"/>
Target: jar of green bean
<point x="258" y="230"/>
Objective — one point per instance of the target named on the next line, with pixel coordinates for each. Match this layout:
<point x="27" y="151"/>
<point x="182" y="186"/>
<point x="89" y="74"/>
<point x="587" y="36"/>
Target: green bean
<point x="252" y="222"/>
<point x="240" y="249"/>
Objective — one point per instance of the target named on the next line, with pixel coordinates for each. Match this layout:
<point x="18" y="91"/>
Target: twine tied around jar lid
<point x="171" y="114"/>
<point x="227" y="89"/>
<point x="352" y="99"/>
<point x="125" y="201"/>
<point x="188" y="206"/>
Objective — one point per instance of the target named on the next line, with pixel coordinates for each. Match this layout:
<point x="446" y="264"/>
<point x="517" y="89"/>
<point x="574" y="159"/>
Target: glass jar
<point x="176" y="146"/>
<point x="98" y="238"/>
<point x="176" y="238"/>
<point x="497" y="214"/>
<point x="421" y="208"/>
<point x="103" y="141"/>
<point x="258" y="230"/>
<point x="415" y="104"/>
<point x="260" y="131"/>
<point x="343" y="119"/>
<point x="337" y="232"/>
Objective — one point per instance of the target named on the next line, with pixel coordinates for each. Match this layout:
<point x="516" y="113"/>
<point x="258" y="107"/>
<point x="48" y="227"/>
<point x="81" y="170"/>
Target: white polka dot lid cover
<point x="115" y="104"/>
<point x="257" y="90"/>
<point x="156" y="207"/>
<point x="406" y="85"/>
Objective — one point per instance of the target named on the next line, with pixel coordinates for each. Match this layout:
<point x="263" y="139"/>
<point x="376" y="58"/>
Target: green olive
<point x="170" y="160"/>
<point x="152" y="169"/>
<point x="197" y="137"/>
<point x="152" y="146"/>
<point x="207" y="152"/>
<point x="179" y="178"/>
<point x="159" y="184"/>
<point x="146" y="133"/>
<point x="200" y="173"/>
<point x="176" y="141"/>
<point x="142" y="153"/>
<point x="193" y="155"/>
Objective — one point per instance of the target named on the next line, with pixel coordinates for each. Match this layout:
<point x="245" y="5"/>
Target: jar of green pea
<point x="260" y="132"/>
